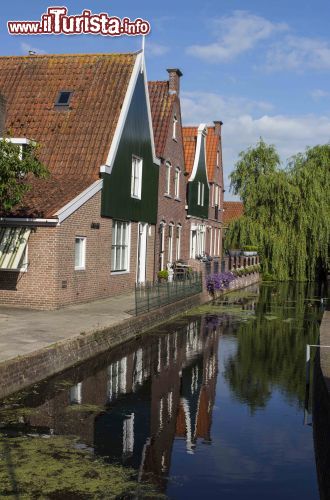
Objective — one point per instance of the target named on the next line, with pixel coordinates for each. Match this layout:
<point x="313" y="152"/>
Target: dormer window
<point x="63" y="98"/>
<point x="175" y="122"/>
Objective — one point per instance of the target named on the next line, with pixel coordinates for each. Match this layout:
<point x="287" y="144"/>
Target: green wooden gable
<point x="195" y="209"/>
<point x="135" y="140"/>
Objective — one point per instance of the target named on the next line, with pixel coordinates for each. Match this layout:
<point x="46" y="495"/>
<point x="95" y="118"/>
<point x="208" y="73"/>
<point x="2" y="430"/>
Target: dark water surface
<point x="209" y="406"/>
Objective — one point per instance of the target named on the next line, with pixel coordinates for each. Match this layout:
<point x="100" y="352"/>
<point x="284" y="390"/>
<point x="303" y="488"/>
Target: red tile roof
<point x="74" y="142"/>
<point x="189" y="135"/>
<point x="212" y="145"/>
<point x="232" y="210"/>
<point x="161" y="103"/>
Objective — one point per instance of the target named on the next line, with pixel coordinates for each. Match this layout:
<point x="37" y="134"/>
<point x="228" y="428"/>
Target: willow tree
<point x="17" y="167"/>
<point x="286" y="210"/>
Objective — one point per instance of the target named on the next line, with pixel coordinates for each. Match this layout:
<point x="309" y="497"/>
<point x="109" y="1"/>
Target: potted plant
<point x="249" y="250"/>
<point x="234" y="252"/>
<point x="162" y="276"/>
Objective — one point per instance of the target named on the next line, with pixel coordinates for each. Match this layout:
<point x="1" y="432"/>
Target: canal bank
<point x="321" y="408"/>
<point x="37" y="344"/>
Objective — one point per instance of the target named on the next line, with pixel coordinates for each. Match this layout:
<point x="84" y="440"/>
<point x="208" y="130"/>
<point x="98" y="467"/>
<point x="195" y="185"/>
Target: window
<point x="175" y="122"/>
<point x="136" y="179"/>
<point x="76" y="394"/>
<point x="178" y="242"/>
<point x="170" y="243"/>
<point x="200" y="194"/>
<point x="177" y="183"/>
<point x="217" y="158"/>
<point x="63" y="98"/>
<point x="216" y="195"/>
<point x="120" y="245"/>
<point x="80" y="253"/>
<point x="162" y="244"/>
<point x="167" y="178"/>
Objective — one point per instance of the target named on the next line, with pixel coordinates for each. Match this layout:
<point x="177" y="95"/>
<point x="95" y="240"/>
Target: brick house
<point x="87" y="231"/>
<point x="171" y="236"/>
<point x="232" y="210"/>
<point x="203" y="158"/>
<point x="214" y="232"/>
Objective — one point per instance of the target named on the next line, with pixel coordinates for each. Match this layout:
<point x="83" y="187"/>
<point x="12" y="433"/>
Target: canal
<point x="211" y="405"/>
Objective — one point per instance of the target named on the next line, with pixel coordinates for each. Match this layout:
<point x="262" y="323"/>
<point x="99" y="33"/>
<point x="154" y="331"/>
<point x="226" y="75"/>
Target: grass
<point x="39" y="468"/>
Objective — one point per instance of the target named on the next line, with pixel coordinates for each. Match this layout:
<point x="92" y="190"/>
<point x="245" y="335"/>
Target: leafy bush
<point x="250" y="248"/>
<point x="163" y="275"/>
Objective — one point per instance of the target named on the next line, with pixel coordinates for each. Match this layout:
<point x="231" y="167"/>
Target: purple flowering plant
<point x="219" y="281"/>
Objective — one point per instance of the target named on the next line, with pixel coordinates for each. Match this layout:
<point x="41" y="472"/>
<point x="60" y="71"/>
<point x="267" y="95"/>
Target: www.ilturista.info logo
<point x="57" y="22"/>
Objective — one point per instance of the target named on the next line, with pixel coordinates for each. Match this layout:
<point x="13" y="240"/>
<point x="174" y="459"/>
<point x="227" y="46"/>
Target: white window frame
<point x="177" y="183"/>
<point x="82" y="263"/>
<point x="122" y="245"/>
<point x="212" y="195"/>
<point x="202" y="194"/>
<point x="174" y="132"/>
<point x="170" y="242"/>
<point x="162" y="229"/>
<point x="211" y="241"/>
<point x="199" y="194"/>
<point x="168" y="168"/>
<point x="136" y="177"/>
<point x="178" y="242"/>
<point x="216" y="195"/>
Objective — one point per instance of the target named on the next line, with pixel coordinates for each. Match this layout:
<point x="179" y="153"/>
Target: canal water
<point x="211" y="405"/>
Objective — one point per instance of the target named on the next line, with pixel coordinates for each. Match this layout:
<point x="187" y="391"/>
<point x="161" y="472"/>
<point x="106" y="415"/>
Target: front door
<point x="142" y="252"/>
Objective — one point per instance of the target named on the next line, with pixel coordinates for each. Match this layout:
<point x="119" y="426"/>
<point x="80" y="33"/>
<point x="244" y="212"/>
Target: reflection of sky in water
<point x="267" y="455"/>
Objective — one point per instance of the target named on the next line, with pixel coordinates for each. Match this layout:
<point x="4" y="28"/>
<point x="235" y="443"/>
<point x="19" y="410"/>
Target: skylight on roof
<point x="63" y="98"/>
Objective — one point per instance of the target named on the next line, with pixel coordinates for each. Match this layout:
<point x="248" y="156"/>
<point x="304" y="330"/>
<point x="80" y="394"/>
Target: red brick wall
<point x="52" y="281"/>
<point x="169" y="208"/>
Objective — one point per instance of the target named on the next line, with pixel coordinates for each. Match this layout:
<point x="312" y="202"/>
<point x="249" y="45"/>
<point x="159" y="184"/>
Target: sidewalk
<point x="23" y="331"/>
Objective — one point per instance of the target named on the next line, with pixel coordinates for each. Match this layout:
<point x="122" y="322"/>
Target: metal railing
<point x="150" y="296"/>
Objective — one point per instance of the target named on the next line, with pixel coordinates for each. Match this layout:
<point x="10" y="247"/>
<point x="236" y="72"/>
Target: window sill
<point x="167" y="195"/>
<point x="136" y="197"/>
<point x="114" y="273"/>
<point x="177" y="199"/>
<point x="175" y="139"/>
<point x="80" y="268"/>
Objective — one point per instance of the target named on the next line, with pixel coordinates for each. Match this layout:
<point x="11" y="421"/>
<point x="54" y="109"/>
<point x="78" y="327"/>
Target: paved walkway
<point x="23" y="331"/>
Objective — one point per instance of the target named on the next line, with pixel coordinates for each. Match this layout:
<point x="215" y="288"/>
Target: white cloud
<point x="246" y="121"/>
<point x="318" y="94"/>
<point x="155" y="49"/>
<point x="25" y="47"/>
<point x="299" y="53"/>
<point x="235" y="34"/>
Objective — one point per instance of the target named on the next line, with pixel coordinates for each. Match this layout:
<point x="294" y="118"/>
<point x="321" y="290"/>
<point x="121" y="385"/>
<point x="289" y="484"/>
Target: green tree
<point x="286" y="210"/>
<point x="17" y="166"/>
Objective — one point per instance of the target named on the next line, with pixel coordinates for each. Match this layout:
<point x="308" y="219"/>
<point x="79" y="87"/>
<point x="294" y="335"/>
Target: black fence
<point x="150" y="296"/>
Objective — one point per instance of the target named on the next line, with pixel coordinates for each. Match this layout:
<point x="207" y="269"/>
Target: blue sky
<point x="261" y="67"/>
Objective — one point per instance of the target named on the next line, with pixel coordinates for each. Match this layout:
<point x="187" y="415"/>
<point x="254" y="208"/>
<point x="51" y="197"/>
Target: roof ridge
<point x="85" y="54"/>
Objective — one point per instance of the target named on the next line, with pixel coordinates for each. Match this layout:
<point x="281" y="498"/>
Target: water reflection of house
<point x="154" y="391"/>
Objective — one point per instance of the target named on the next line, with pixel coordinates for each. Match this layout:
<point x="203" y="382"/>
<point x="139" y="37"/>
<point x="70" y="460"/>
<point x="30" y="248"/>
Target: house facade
<point x="214" y="233"/>
<point x="171" y="234"/>
<point x="88" y="230"/>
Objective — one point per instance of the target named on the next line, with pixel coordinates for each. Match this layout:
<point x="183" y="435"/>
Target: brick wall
<point x="171" y="209"/>
<point x="37" y="287"/>
<point x="52" y="281"/>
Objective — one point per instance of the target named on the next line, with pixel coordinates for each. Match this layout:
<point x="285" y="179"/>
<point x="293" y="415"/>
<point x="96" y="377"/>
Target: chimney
<point x="174" y="80"/>
<point x="217" y="127"/>
<point x="2" y="114"/>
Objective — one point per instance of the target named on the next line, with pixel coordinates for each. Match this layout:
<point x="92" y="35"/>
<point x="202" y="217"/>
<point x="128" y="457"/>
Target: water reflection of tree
<point x="271" y="348"/>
